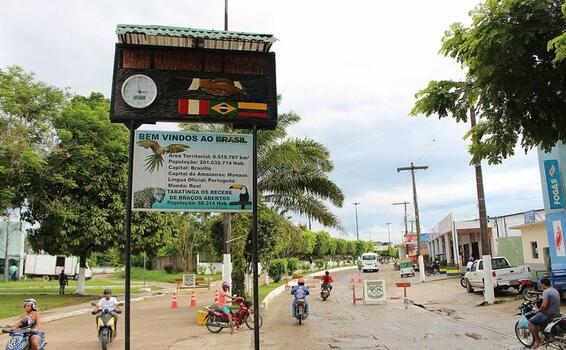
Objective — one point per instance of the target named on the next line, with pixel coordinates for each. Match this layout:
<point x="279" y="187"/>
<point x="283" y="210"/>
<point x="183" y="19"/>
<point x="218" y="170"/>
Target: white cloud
<point x="351" y="69"/>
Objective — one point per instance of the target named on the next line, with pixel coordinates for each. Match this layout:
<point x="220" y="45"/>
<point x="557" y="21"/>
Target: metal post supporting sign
<point x="132" y="126"/>
<point x="254" y="245"/>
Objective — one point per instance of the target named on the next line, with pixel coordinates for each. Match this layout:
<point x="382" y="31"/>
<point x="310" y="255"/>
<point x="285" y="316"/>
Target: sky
<point x="350" y="69"/>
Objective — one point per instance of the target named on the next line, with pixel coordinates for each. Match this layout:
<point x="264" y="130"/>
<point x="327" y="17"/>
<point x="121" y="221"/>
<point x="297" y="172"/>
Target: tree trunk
<point x="485" y="242"/>
<point x="81" y="285"/>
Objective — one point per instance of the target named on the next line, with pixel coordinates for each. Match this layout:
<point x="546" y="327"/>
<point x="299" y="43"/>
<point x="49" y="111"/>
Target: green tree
<point x="27" y="108"/>
<point x="513" y="81"/>
<point x="322" y="244"/>
<point x="559" y="43"/>
<point x="292" y="172"/>
<point x="307" y="242"/>
<point x="341" y="247"/>
<point x="76" y="197"/>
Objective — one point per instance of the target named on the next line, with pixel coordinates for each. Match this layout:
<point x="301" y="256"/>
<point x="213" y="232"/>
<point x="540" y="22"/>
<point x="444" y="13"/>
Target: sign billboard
<point x="553" y="184"/>
<point x="190" y="171"/>
<point x="186" y="84"/>
<point x="555" y="224"/>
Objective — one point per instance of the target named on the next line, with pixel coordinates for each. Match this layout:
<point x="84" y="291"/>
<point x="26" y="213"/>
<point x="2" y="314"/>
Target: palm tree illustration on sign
<point x="244" y="195"/>
<point x="154" y="161"/>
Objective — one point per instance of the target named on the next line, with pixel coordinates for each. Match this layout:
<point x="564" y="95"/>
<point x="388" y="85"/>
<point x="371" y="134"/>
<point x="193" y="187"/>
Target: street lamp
<point x="357" y="232"/>
<point x="389" y="234"/>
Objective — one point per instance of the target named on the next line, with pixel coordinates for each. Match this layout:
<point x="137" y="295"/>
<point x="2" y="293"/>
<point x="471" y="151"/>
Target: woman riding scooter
<point x="31" y="320"/>
<point x="223" y="297"/>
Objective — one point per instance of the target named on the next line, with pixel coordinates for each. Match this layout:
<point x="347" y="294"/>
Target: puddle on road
<point x="354" y="343"/>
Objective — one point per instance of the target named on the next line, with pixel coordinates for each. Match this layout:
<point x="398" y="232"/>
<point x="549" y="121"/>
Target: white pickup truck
<point x="504" y="275"/>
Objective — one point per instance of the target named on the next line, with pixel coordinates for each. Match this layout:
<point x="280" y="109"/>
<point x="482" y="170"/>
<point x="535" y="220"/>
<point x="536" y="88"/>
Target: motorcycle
<point x="300" y="314"/>
<point x="529" y="290"/>
<point x="432" y="269"/>
<point x="105" y="325"/>
<point x="553" y="334"/>
<point x="19" y="339"/>
<point x="216" y="319"/>
<point x="324" y="292"/>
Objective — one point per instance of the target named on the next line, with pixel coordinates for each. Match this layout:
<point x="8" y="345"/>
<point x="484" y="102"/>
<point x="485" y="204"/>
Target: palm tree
<point x="292" y="172"/>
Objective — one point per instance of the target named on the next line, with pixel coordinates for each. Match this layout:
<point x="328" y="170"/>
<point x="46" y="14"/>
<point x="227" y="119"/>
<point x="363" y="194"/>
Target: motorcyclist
<point x="31" y="320"/>
<point x="223" y="298"/>
<point x="300" y="291"/>
<point x="327" y="280"/>
<point x="108" y="302"/>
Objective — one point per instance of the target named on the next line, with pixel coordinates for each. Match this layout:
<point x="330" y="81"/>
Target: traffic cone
<point x="352" y="278"/>
<point x="174" y="303"/>
<point x="359" y="278"/>
<point x="193" y="299"/>
<point x="216" y="297"/>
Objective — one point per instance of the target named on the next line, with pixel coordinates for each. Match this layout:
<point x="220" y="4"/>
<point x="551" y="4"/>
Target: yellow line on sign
<point x="252" y="105"/>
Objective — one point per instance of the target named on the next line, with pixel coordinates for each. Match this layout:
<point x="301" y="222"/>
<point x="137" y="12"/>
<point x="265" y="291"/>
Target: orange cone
<point x="359" y="278"/>
<point x="193" y="299"/>
<point x="352" y="278"/>
<point x="174" y="303"/>
<point x="216" y="297"/>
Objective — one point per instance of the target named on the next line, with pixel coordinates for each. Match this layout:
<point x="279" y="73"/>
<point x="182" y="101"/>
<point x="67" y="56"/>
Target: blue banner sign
<point x="553" y="184"/>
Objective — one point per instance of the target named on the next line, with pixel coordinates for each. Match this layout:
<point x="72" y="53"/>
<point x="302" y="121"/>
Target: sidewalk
<point x="83" y="308"/>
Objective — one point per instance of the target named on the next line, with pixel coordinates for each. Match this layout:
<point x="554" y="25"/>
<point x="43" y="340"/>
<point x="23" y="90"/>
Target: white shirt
<point x="469" y="265"/>
<point x="109" y="304"/>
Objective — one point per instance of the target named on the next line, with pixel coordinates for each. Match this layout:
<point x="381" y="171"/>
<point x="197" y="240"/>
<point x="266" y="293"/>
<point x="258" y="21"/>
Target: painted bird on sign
<point x="154" y="161"/>
<point x="244" y="195"/>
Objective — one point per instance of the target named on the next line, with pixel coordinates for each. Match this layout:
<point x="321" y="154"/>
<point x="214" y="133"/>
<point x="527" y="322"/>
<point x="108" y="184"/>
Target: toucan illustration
<point x="244" y="195"/>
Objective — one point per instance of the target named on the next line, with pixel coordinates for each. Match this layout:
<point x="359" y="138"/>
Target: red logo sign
<point x="552" y="170"/>
<point x="558" y="238"/>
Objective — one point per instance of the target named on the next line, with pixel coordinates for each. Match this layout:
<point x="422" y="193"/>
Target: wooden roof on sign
<point x="135" y="34"/>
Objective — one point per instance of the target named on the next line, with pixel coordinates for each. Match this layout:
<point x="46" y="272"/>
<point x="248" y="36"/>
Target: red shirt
<point x="327" y="279"/>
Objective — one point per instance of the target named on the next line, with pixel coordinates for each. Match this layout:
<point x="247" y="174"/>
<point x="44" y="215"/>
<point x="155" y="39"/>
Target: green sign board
<point x="190" y="171"/>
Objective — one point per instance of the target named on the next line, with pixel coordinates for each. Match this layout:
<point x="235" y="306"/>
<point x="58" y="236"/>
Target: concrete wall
<point x="537" y="234"/>
<point x="512" y="249"/>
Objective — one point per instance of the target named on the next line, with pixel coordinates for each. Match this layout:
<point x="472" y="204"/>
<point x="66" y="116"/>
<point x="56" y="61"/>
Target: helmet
<point x="31" y="302"/>
<point x="301" y="281"/>
<point x="225" y="285"/>
<point x="25" y="322"/>
<point x="327" y="273"/>
<point x="471" y="258"/>
<point x="107" y="291"/>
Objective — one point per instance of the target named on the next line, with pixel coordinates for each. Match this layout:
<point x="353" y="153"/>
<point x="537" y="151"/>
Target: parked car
<point x="504" y="275"/>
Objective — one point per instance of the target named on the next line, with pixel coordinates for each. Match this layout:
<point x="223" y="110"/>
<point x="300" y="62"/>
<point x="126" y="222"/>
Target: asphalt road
<point x="336" y="323"/>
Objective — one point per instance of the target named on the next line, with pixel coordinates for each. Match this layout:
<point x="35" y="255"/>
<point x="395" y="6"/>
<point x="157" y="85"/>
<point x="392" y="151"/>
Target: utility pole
<point x="412" y="168"/>
<point x="357" y="232"/>
<point x="7" y="221"/>
<point x="389" y="235"/>
<point x="405" y="215"/>
<point x="485" y="242"/>
<point x="227" y="217"/>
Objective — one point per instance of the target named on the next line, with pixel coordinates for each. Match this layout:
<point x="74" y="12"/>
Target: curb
<point x="83" y="311"/>
<point x="281" y="289"/>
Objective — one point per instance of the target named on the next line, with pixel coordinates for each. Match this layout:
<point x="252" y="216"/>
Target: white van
<point x="370" y="262"/>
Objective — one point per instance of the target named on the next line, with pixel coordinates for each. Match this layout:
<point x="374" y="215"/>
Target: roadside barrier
<point x="174" y="303"/>
<point x="352" y="281"/>
<point x="354" y="298"/>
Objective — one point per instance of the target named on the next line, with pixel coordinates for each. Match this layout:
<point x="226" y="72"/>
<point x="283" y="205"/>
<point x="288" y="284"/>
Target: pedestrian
<point x="13" y="272"/>
<point x="470" y="263"/>
<point x="63" y="281"/>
